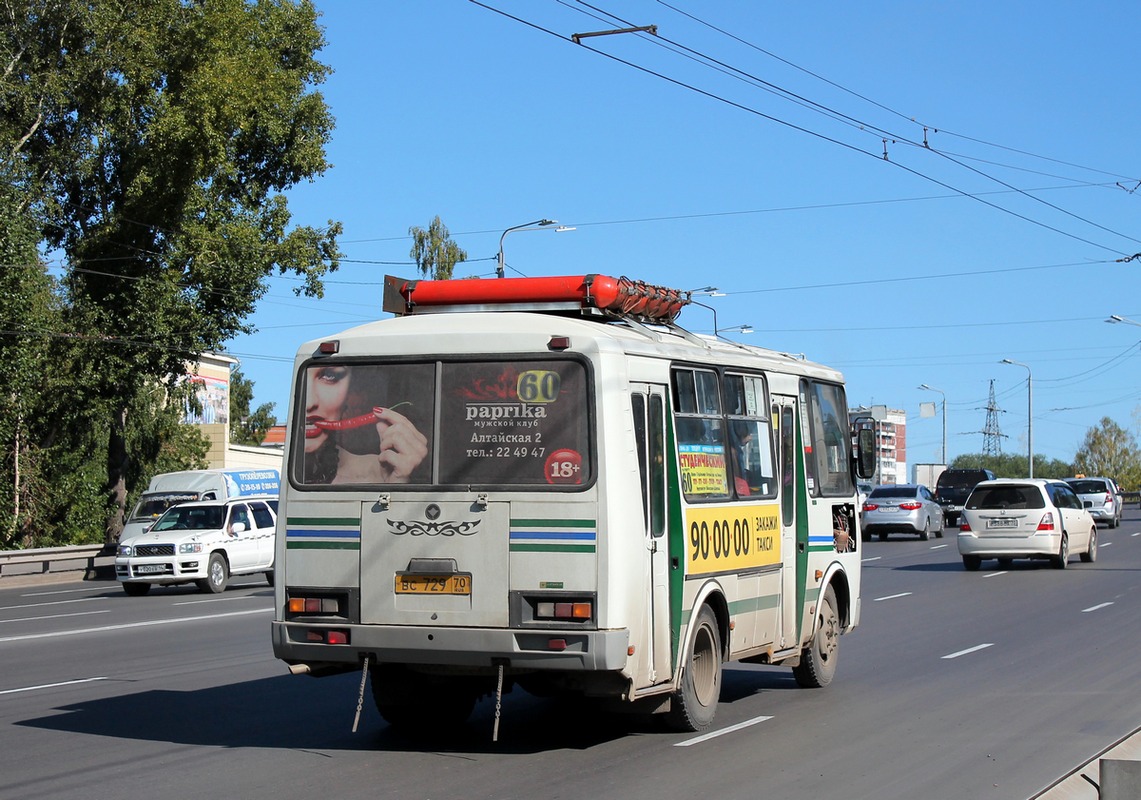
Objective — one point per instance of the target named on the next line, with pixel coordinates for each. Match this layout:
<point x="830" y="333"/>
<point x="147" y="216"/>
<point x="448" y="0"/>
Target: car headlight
<point x="125" y="550"/>
<point x="190" y="547"/>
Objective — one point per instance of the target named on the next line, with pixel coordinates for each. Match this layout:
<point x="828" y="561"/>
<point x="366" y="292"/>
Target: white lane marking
<point x="50" y="603"/>
<point x="974" y="649"/>
<point x="707" y="736"/>
<point x="1096" y="608"/>
<point x="1135" y="534"/>
<point x="994" y="574"/>
<point x="892" y="596"/>
<point x="939" y="546"/>
<point x="128" y="625"/>
<point x="58" y="591"/>
<point x="56" y="616"/>
<point x="217" y="600"/>
<point x="50" y="685"/>
<point x="1104" y="544"/>
<point x="874" y="558"/>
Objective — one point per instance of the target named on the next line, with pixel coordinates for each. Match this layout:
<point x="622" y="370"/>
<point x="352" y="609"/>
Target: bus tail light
<point x="575" y="611"/>
<point x="1047" y="523"/>
<point x="314" y="604"/>
<point x="327" y="637"/>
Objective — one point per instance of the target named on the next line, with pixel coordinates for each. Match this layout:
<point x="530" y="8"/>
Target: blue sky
<point x="744" y="147"/>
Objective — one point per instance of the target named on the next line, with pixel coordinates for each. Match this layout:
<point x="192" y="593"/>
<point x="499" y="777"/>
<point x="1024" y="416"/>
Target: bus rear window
<point x="514" y="423"/>
<point x="485" y="423"/>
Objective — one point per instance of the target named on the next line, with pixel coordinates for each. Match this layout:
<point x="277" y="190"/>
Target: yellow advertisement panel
<point x="703" y="469"/>
<point x="731" y="537"/>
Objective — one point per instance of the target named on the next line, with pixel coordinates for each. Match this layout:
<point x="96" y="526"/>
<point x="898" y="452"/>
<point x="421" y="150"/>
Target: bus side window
<point x="700" y="431"/>
<point x="787" y="465"/>
<point x="750" y="437"/>
<point x="657" y="437"/>
<point x="638" y="406"/>
<point x="831" y="447"/>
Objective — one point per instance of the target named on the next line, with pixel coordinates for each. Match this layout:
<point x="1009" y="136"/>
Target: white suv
<point x="1030" y="518"/>
<point x="1104" y="497"/>
<point x="204" y="543"/>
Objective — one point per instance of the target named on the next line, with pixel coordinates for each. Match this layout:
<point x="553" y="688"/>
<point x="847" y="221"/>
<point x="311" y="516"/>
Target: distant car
<point x="1104" y="497"/>
<point x="901" y="508"/>
<point x="203" y="543"/>
<point x="953" y="487"/>
<point x="1029" y="518"/>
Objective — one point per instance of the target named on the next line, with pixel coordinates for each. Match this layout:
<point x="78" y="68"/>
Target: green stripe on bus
<point x="354" y="521"/>
<point x="552" y="548"/>
<point x="749" y="604"/>
<point x="311" y="545"/>
<point x="553" y="523"/>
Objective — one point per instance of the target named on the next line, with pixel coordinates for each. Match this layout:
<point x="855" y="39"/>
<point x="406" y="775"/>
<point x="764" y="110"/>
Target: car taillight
<point x="1108" y="499"/>
<point x="870" y="506"/>
<point x="964" y="526"/>
<point x="910" y="506"/>
<point x="1047" y="523"/>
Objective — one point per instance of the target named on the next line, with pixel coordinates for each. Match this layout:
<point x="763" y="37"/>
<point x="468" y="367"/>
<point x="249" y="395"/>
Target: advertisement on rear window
<point x="514" y="423"/>
<point x="366" y="423"/>
<point x="499" y="423"/>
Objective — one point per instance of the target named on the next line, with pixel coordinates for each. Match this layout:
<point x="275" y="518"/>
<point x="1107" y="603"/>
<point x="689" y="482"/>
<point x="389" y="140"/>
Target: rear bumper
<point x="476" y="648"/>
<point x="892" y="527"/>
<point x="1040" y="544"/>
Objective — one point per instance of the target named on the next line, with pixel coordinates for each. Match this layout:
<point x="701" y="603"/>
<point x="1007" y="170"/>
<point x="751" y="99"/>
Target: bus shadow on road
<point x="292" y="713"/>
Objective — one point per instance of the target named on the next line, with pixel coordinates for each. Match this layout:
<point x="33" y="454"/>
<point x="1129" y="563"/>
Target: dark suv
<point x="954" y="487"/>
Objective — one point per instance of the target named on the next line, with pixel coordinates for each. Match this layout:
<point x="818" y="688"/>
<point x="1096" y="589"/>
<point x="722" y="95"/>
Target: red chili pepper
<point x="356" y="422"/>
<point x="347" y="424"/>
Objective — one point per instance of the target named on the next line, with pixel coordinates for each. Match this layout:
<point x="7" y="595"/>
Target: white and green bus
<point x="548" y="483"/>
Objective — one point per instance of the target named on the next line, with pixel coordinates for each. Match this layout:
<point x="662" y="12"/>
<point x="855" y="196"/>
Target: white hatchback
<point x="203" y="543"/>
<point x="1030" y="518"/>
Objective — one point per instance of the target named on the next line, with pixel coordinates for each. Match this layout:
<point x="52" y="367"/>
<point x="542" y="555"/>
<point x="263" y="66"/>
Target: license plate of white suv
<point x="1002" y="523"/>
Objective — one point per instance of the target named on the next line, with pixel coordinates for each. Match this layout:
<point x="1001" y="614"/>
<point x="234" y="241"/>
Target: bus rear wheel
<point x="694" y="704"/>
<point x="416" y="702"/>
<point x="818" y="661"/>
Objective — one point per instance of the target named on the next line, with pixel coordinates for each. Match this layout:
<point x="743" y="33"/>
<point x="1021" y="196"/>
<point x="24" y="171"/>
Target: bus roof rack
<point x="621" y="298"/>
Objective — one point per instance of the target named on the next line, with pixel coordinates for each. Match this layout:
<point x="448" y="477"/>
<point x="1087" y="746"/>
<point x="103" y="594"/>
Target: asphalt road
<point x="957" y="685"/>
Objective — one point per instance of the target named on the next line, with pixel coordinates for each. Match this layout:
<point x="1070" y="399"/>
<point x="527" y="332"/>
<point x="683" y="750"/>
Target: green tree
<point x="152" y="141"/>
<point x="29" y="313"/>
<point x="1008" y="465"/>
<point x="1110" y="450"/>
<point x="247" y="427"/>
<point x="434" y="252"/>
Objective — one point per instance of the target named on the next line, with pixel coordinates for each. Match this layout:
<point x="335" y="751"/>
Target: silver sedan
<point x="901" y="508"/>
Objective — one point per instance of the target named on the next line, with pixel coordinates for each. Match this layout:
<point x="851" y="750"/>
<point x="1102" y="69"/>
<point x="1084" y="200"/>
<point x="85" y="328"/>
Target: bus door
<point x="785" y="420"/>
<point x="648" y="402"/>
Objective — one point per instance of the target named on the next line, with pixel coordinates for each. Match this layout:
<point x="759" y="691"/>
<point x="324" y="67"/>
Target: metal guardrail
<point x="1131" y="497"/>
<point x="90" y="559"/>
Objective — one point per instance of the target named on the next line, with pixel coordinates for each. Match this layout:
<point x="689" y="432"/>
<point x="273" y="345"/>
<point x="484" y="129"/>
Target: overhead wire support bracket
<point x="650" y="29"/>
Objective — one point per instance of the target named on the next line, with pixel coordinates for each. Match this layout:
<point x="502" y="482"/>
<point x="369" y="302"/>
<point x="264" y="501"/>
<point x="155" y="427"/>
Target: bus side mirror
<point x="865" y="453"/>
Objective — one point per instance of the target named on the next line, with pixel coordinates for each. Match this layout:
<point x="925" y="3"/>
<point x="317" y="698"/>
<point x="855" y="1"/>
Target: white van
<point x="202" y="542"/>
<point x="172" y="488"/>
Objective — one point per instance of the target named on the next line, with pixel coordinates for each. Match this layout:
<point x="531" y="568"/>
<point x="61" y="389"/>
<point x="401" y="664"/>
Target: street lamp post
<point x="940" y="391"/>
<point x="1029" y="411"/>
<point x="1115" y="318"/>
<point x="538" y="224"/>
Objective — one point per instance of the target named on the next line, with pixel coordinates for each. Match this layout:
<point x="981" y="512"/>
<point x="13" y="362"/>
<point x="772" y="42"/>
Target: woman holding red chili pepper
<point x="401" y="446"/>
